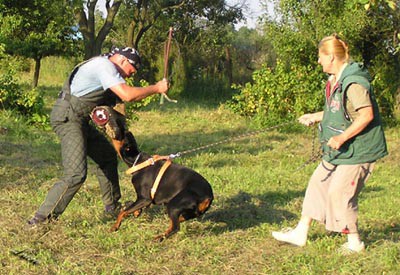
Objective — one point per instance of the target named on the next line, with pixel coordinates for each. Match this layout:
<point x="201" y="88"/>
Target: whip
<point x="166" y="57"/>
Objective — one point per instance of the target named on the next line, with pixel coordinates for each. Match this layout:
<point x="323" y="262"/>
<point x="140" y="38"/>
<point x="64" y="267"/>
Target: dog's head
<point x="129" y="149"/>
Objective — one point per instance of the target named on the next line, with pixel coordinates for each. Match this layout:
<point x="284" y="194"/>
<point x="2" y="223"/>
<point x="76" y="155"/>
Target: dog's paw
<point x="137" y="213"/>
<point x="159" y="238"/>
<point x="113" y="229"/>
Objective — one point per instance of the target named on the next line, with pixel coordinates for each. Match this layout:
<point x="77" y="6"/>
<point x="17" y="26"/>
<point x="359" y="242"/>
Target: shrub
<point x="280" y="94"/>
<point x="386" y="83"/>
<point x="131" y="107"/>
<point x="29" y="103"/>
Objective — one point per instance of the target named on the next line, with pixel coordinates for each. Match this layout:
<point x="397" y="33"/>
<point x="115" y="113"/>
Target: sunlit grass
<point x="257" y="186"/>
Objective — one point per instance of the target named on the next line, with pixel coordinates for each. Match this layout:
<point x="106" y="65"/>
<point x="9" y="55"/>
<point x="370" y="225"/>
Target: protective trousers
<point x="80" y="139"/>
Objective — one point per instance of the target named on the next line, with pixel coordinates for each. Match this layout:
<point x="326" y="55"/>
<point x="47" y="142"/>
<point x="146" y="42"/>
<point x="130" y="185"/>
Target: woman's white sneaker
<point x="290" y="235"/>
<point x="346" y="248"/>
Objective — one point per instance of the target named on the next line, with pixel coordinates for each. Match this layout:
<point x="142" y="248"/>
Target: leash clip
<point x="172" y="156"/>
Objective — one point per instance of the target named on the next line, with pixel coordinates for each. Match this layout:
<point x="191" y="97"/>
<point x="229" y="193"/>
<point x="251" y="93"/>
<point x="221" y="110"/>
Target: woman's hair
<point x="333" y="44"/>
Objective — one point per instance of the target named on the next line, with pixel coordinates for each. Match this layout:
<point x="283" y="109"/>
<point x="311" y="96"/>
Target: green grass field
<point x="257" y="186"/>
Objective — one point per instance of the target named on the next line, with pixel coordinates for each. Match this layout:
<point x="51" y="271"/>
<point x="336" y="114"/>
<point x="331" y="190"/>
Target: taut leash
<point x="227" y="140"/>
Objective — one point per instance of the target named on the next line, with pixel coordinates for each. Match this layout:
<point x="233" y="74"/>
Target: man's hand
<point x="162" y="86"/>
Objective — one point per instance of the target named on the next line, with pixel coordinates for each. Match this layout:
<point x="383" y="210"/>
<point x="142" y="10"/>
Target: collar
<point x="335" y="78"/>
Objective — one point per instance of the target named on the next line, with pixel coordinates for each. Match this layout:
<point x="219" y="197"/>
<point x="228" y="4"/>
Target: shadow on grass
<point x="387" y="232"/>
<point x="23" y="160"/>
<point x="245" y="211"/>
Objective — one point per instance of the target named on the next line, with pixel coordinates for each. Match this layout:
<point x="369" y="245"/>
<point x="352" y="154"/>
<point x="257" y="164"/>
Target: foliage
<point x="132" y="107"/>
<point x="27" y="103"/>
<point x="294" y="34"/>
<point x="200" y="38"/>
<point x="250" y="51"/>
<point x="386" y="84"/>
<point x="35" y="29"/>
<point x="280" y="93"/>
<point x="94" y="26"/>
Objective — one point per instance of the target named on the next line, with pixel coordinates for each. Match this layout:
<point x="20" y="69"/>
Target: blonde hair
<point x="333" y="44"/>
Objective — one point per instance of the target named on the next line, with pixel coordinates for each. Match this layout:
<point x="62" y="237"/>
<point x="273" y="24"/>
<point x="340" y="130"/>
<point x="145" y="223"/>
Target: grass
<point x="257" y="189"/>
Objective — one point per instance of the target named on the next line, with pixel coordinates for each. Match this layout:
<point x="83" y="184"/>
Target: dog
<point x="185" y="193"/>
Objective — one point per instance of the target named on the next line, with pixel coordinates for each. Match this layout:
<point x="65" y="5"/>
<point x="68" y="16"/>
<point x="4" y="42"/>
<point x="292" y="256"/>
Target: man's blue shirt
<point x="97" y="74"/>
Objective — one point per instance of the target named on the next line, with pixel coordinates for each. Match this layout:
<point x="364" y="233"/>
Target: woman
<point x="352" y="140"/>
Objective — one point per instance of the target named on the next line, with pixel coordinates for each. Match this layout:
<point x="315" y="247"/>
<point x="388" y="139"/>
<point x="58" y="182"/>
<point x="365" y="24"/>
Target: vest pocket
<point x="346" y="151"/>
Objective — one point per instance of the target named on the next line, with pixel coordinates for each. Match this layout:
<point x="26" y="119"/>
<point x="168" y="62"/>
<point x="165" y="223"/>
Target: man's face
<point x="126" y="68"/>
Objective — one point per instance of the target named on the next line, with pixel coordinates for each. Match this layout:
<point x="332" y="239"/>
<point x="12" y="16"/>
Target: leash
<point x="227" y="140"/>
<point x="24" y="255"/>
<point x="314" y="156"/>
<point x="151" y="161"/>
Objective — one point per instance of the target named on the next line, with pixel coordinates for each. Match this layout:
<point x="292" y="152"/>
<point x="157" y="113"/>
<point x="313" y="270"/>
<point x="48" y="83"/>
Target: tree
<point x="200" y="33"/>
<point x="294" y="33"/>
<point x="36" y="29"/>
<point x="86" y="16"/>
<point x="250" y="52"/>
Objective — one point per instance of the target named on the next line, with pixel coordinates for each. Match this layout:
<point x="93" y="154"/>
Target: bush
<point x="131" y="107"/>
<point x="27" y="103"/>
<point x="280" y="94"/>
<point x="386" y="83"/>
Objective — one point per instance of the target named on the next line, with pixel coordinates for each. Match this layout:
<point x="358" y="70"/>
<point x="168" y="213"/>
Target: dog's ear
<point x="130" y="140"/>
<point x="129" y="148"/>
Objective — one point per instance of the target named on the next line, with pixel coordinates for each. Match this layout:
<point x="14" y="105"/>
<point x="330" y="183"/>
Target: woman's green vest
<point x="367" y="146"/>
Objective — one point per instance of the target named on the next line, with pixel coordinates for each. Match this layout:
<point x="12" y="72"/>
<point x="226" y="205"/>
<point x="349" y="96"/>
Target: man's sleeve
<point x="109" y="76"/>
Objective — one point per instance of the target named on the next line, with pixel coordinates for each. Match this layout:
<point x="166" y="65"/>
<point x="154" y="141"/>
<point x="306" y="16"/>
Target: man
<point x="96" y="82"/>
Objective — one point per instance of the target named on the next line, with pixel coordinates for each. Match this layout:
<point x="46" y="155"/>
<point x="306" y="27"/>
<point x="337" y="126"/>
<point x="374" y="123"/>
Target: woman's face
<point x="326" y="61"/>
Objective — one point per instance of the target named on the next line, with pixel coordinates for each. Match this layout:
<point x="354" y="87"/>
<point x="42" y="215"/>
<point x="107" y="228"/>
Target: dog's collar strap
<point x="159" y="176"/>
<point x="146" y="163"/>
<point x="149" y="162"/>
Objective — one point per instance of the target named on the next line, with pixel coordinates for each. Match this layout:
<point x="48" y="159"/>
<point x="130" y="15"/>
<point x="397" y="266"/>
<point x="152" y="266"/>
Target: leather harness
<point x="152" y="161"/>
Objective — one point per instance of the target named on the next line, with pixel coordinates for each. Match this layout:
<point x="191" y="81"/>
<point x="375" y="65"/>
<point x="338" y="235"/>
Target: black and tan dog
<point x="156" y="180"/>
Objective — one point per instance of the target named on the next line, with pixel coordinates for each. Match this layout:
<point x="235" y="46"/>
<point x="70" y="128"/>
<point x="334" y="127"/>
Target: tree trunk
<point x="93" y="44"/>
<point x="228" y="65"/>
<point x="37" y="71"/>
